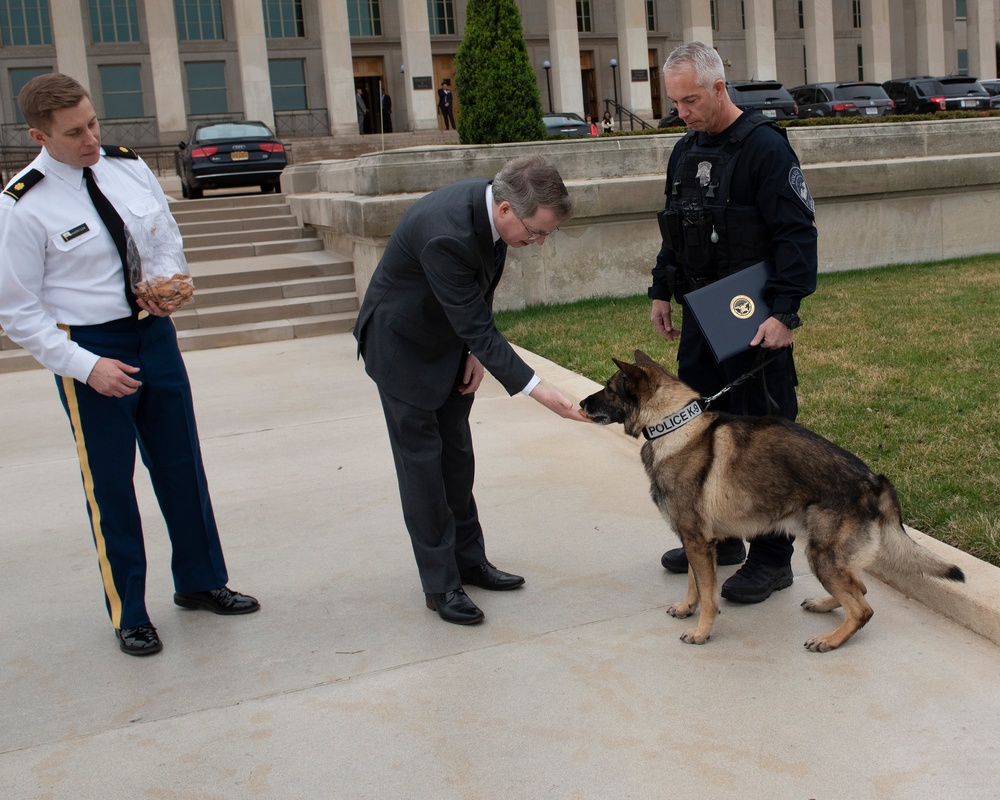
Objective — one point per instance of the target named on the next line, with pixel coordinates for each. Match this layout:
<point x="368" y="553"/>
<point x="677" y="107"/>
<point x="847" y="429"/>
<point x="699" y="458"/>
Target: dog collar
<point x="674" y="421"/>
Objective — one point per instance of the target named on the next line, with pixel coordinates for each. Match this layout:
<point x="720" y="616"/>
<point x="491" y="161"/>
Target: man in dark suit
<point x="445" y="104"/>
<point x="426" y="332"/>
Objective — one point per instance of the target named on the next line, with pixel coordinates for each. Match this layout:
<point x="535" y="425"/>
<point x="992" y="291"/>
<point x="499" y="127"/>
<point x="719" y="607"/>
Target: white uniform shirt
<point x="46" y="278"/>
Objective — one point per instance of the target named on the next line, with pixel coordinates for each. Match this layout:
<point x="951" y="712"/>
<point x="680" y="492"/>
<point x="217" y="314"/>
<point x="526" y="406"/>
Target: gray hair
<point x="529" y="183"/>
<point x="704" y="61"/>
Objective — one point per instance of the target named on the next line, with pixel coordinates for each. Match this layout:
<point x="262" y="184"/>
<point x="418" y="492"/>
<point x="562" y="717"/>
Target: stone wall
<point x="885" y="194"/>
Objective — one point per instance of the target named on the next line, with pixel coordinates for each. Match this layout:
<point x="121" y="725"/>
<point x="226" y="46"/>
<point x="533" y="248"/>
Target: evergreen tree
<point x="495" y="84"/>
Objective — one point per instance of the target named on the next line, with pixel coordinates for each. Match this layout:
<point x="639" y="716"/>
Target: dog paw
<point x="694" y="636"/>
<point x="680" y="610"/>
<point x="820" y="605"/>
<point x="818" y="644"/>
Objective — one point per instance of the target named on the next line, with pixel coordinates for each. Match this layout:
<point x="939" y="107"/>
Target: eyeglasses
<point x="533" y="234"/>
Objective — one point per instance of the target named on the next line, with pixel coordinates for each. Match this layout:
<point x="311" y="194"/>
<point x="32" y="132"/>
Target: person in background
<point x="359" y="101"/>
<point x="446" y="103"/>
<point x="386" y="113"/>
<point x="607" y="123"/>
<point x="591" y="125"/>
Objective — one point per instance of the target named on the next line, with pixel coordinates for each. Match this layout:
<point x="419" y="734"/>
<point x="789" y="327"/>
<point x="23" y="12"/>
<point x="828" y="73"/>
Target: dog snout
<point x="594" y="408"/>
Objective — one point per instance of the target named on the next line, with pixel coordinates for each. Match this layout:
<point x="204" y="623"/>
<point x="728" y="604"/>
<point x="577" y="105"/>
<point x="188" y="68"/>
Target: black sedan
<point x="229" y="154"/>
<point x="567" y="124"/>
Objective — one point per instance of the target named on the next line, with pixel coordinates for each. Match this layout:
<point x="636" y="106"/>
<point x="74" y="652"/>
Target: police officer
<point x="65" y="297"/>
<point x="735" y="196"/>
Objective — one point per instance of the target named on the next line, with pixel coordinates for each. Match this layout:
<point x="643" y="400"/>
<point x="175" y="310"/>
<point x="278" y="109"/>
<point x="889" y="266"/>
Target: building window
<point x="24" y="22"/>
<point x="441" y="17"/>
<point x="861" y="64"/>
<point x="711" y="11"/>
<point x="121" y="88"/>
<point x="198" y="19"/>
<point x="113" y="21"/>
<point x="206" y="85"/>
<point x="802" y="18"/>
<point x="743" y="15"/>
<point x="805" y="66"/>
<point x="584" y="24"/>
<point x="963" y="62"/>
<point x="19" y="77"/>
<point x="856" y="13"/>
<point x="288" y="84"/>
<point x="283" y="19"/>
<point x="364" y="18"/>
<point x="650" y="15"/>
<point x="960" y="9"/>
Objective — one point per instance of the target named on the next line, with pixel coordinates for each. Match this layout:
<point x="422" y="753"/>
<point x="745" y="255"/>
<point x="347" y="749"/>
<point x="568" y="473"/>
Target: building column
<point x="696" y="21"/>
<point x="564" y="55"/>
<point x="876" y="41"/>
<point x="982" y="36"/>
<point x="633" y="57"/>
<point x="415" y="32"/>
<point x="821" y="63"/>
<point x="761" y="61"/>
<point x="338" y="68"/>
<point x="930" y="37"/>
<point x="255" y="78"/>
<point x="165" y="63"/>
<point x="69" y="39"/>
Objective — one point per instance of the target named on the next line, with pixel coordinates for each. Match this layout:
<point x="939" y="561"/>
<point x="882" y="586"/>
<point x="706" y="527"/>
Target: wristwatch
<point x="789" y="319"/>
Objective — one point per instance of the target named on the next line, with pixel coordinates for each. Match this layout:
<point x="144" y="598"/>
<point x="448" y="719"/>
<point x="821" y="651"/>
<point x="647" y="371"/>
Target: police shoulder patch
<point x="22" y="183"/>
<point x="120" y="152"/>
<point x="798" y="183"/>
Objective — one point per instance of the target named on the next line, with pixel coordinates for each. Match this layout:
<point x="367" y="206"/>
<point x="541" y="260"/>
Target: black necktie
<point x="499" y="254"/>
<point x="116" y="227"/>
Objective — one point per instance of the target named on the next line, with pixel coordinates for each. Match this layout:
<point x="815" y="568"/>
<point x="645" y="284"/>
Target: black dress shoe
<point x="486" y="576"/>
<point x="455" y="606"/>
<point x="218" y="601"/>
<point x="139" y="641"/>
<point x="727" y="552"/>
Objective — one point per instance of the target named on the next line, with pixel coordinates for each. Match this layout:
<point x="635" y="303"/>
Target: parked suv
<point x="993" y="87"/>
<point x="854" y="99"/>
<point x="770" y="98"/>
<point x="927" y="95"/>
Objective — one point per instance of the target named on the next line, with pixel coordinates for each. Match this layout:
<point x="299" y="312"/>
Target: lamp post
<point x="614" y="83"/>
<point x="548" y="80"/>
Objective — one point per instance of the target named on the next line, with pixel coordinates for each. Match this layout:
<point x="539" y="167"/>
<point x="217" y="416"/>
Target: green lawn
<point x="900" y="365"/>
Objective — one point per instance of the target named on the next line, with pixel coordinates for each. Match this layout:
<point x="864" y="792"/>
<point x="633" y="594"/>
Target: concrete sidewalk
<point x="346" y="686"/>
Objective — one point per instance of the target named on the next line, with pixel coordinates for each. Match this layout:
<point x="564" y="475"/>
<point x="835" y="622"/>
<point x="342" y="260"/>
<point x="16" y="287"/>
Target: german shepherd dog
<point x="715" y="475"/>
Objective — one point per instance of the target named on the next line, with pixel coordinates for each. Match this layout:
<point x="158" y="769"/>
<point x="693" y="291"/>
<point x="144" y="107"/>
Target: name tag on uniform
<point x="72" y="233"/>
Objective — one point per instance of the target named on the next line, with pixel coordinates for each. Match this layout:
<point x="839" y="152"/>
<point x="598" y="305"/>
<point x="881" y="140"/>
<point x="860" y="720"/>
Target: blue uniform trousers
<point x="159" y="417"/>
<point x="697" y="367"/>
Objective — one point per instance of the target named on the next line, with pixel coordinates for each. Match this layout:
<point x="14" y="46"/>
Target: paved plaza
<point x="346" y="686"/>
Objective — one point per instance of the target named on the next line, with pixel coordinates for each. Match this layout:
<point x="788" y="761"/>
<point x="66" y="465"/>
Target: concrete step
<point x="211" y="274"/>
<point x="196" y="228"/>
<point x="283" y="234"/>
<point x="250" y="249"/>
<point x="267" y="331"/>
<point x="242" y="314"/>
<point x="223" y="202"/>
<point x="16" y="361"/>
<point x="185" y="214"/>
<point x="272" y="291"/>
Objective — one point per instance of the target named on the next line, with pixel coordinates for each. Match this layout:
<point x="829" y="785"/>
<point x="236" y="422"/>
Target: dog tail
<point x="898" y="550"/>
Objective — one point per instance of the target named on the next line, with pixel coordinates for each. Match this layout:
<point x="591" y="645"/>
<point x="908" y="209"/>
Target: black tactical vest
<point x="711" y="236"/>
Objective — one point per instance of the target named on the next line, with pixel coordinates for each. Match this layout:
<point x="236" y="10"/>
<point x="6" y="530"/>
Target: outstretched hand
<point x="555" y="402"/>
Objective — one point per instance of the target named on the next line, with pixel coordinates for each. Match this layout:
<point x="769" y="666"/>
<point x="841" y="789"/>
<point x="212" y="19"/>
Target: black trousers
<point x="436" y="468"/>
<point x="159" y="418"/>
<point x="697" y="367"/>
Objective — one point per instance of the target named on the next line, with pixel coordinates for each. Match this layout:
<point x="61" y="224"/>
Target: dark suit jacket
<point x="430" y="301"/>
<point x="444" y="99"/>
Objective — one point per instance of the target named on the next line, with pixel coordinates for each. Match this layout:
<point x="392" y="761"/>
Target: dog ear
<point x="631" y="371"/>
<point x="642" y="358"/>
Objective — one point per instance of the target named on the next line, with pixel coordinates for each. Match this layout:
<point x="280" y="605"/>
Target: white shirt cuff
<point x="535" y="380"/>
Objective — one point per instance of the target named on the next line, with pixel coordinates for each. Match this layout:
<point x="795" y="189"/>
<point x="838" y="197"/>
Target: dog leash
<point x="761" y="363"/>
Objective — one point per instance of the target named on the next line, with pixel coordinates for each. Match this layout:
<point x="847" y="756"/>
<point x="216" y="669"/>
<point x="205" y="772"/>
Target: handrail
<point x="620" y="110"/>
